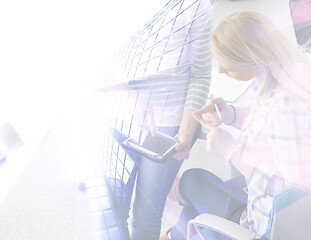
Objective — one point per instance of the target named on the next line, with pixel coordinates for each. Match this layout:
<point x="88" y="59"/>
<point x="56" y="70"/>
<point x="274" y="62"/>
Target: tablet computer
<point x="156" y="147"/>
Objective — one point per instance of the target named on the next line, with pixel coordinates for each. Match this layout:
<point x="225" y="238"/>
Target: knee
<point x="190" y="182"/>
<point x="188" y="175"/>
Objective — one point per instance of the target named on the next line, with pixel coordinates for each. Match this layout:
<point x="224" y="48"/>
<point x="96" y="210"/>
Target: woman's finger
<point x="200" y="119"/>
<point x="219" y="101"/>
<point x="209" y="117"/>
<point x="209" y="126"/>
<point x="206" y="109"/>
<point x="210" y="108"/>
<point x="207" y="122"/>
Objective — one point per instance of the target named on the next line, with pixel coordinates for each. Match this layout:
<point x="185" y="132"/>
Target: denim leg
<point x="154" y="181"/>
<point x="125" y="201"/>
<point x="204" y="192"/>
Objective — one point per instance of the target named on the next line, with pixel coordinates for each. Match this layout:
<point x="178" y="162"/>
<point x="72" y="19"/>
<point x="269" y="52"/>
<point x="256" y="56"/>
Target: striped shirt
<point x="183" y="77"/>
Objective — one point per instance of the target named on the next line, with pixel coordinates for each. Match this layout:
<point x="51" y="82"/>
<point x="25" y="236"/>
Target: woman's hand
<point x="208" y="116"/>
<point x="220" y="142"/>
<point x="183" y="147"/>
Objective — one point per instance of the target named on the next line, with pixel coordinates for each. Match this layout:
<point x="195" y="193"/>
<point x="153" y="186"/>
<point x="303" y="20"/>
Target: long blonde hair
<point x="249" y="39"/>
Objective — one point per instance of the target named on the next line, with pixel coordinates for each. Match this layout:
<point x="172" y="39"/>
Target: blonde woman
<point x="273" y="148"/>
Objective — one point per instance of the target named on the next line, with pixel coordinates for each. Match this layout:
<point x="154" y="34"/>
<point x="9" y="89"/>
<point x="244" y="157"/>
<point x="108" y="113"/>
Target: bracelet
<point x="234" y="111"/>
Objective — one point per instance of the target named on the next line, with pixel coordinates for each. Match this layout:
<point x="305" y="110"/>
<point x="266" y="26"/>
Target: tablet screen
<point x="159" y="143"/>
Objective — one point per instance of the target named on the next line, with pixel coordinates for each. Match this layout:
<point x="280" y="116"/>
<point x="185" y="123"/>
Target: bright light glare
<point x="51" y="52"/>
<point x="52" y="55"/>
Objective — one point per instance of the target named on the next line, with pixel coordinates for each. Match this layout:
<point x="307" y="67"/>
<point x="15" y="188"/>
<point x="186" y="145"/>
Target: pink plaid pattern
<point x="261" y="191"/>
<point x="277" y="137"/>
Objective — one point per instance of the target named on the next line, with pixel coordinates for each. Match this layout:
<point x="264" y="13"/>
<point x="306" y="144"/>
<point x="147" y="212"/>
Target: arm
<point x="242" y="154"/>
<point x="222" y="144"/>
<point x="185" y="135"/>
<point x="197" y="93"/>
<point x="277" y="143"/>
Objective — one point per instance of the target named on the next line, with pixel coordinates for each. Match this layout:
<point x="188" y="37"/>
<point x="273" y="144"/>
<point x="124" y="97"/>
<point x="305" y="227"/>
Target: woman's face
<point x="234" y="71"/>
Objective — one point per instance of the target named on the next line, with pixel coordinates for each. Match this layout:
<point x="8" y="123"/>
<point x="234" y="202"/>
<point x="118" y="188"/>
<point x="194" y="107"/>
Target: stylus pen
<point x="217" y="111"/>
<point x="216" y="108"/>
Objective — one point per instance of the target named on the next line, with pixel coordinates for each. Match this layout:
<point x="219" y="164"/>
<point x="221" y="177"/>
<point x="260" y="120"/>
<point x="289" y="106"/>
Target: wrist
<point x="188" y="128"/>
<point x="185" y="139"/>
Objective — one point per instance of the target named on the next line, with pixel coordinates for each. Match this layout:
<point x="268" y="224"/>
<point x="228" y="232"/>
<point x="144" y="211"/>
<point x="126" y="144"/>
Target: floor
<point x="47" y="203"/>
<point x="44" y="203"/>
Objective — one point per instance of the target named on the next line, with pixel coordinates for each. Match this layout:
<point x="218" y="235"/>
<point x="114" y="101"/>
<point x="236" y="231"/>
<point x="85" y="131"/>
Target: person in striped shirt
<point x="173" y="93"/>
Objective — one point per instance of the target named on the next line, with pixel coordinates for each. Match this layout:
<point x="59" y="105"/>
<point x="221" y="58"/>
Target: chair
<point x="291" y="215"/>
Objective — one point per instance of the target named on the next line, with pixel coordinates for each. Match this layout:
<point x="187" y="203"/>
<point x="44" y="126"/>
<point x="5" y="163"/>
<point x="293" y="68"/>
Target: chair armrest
<point x="221" y="225"/>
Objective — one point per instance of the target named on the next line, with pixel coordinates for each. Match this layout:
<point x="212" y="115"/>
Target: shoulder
<point x="285" y="101"/>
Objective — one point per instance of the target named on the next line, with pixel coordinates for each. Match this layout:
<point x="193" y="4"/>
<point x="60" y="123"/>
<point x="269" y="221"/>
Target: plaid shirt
<point x="261" y="190"/>
<point x="277" y="144"/>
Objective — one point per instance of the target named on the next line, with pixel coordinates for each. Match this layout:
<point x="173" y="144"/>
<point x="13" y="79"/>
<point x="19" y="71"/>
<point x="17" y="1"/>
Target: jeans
<point x="154" y="181"/>
<point x="204" y="192"/>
